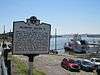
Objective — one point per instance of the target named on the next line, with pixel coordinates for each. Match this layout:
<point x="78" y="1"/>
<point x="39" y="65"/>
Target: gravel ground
<point x="50" y="64"/>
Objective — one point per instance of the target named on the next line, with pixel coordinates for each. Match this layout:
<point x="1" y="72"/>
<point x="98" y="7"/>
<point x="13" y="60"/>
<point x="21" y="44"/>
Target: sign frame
<point x="43" y="32"/>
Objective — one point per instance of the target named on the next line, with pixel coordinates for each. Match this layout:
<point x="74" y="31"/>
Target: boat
<point x="79" y="45"/>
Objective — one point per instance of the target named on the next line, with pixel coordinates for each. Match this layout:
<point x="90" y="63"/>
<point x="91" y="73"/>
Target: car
<point x="70" y="64"/>
<point x="98" y="69"/>
<point x="86" y="65"/>
<point x="96" y="61"/>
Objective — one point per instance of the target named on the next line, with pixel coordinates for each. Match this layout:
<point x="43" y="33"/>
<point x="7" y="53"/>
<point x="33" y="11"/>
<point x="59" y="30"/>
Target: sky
<point x="67" y="16"/>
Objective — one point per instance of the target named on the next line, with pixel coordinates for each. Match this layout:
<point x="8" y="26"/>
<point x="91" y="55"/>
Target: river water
<point x="61" y="40"/>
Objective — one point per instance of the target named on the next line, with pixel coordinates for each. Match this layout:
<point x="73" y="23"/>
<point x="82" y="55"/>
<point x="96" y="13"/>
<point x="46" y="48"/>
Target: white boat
<point x="78" y="45"/>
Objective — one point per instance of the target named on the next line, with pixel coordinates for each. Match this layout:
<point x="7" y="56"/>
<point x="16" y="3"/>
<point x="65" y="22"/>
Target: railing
<point x="3" y="68"/>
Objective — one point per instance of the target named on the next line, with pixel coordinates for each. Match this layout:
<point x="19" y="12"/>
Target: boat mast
<point x="55" y="39"/>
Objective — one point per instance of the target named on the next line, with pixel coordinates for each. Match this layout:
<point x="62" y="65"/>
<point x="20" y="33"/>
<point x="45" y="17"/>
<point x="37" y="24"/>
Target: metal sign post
<point x="30" y="72"/>
<point x="30" y="63"/>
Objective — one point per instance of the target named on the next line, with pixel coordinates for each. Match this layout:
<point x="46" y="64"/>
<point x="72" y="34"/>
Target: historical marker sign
<point x="31" y="37"/>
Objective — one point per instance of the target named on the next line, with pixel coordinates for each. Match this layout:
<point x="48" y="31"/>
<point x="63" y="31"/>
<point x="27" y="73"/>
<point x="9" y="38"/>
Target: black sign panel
<point x="31" y="38"/>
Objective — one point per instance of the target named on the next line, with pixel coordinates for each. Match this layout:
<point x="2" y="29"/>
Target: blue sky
<point x="68" y="16"/>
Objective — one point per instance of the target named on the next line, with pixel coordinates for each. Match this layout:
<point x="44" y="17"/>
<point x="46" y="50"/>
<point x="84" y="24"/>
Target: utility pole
<point x="55" y="39"/>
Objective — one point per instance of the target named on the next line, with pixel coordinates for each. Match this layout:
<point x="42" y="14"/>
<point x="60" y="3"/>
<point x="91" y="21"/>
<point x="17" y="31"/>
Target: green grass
<point x="22" y="68"/>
